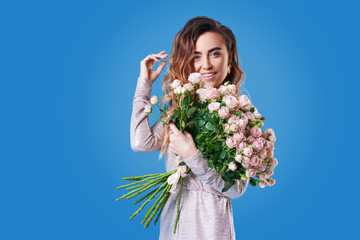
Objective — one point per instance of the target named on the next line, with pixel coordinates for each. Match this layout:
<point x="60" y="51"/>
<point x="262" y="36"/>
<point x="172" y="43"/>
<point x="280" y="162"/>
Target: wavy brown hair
<point x="181" y="59"/>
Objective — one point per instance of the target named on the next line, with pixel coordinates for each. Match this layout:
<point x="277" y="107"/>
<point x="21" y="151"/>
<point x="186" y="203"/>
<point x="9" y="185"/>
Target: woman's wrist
<point x="191" y="153"/>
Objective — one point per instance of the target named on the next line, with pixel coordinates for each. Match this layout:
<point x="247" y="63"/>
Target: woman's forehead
<point x="209" y="41"/>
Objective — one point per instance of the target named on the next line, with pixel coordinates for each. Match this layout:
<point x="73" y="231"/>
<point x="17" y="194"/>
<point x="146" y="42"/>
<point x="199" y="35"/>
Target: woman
<point x="207" y="47"/>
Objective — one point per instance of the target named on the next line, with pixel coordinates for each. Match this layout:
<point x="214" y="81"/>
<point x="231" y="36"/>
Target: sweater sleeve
<point x="199" y="166"/>
<point x="144" y="138"/>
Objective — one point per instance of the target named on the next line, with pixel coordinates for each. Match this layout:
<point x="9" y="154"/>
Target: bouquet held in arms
<point x="226" y="128"/>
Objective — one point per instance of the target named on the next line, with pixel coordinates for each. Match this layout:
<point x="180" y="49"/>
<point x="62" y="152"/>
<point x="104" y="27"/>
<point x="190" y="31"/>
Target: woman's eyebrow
<point x="213" y="49"/>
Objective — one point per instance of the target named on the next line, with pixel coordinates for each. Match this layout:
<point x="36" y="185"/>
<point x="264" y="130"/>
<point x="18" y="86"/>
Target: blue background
<point x="68" y="75"/>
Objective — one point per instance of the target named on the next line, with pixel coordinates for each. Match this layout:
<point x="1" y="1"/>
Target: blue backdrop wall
<point x="68" y="75"/>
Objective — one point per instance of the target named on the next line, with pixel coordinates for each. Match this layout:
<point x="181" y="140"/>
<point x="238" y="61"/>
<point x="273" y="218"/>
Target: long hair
<point x="181" y="61"/>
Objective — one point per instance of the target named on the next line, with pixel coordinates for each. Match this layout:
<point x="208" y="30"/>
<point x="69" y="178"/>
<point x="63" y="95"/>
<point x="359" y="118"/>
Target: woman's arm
<point x="199" y="166"/>
<point x="142" y="136"/>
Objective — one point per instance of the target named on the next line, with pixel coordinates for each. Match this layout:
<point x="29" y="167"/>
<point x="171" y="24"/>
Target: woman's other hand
<point x="147" y="64"/>
<point x="181" y="143"/>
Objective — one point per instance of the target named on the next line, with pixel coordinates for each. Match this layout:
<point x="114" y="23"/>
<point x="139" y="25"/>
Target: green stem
<point x="156" y="202"/>
<point x="134" y="183"/>
<point x="178" y="206"/>
<point x="142" y="177"/>
<point x="159" y="118"/>
<point x="163" y="203"/>
<point x="147" y="195"/>
<point x="153" y="214"/>
<point x="143" y="189"/>
<point x="146" y="202"/>
<point x="135" y="192"/>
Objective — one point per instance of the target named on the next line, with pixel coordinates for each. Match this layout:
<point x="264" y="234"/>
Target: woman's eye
<point x="196" y="57"/>
<point x="216" y="53"/>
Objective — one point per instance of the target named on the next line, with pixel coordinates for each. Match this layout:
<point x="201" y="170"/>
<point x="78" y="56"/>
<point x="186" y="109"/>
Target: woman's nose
<point x="206" y="63"/>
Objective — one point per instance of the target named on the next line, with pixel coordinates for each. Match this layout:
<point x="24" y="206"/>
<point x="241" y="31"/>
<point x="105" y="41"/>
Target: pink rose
<point x="262" y="184"/>
<point x="177" y="90"/>
<point x="212" y="93"/>
<point x="262" y="176"/>
<point x="224" y="112"/>
<point x="154" y="100"/>
<point x="239" y="136"/>
<point x="273" y="162"/>
<point x="233" y="119"/>
<point x="238" y="157"/>
<point x="257" y="115"/>
<point x="260" y="168"/>
<point x="269" y="131"/>
<point x="251" y="172"/>
<point x="257" y="145"/>
<point x="232" y="166"/>
<point x="246" y="165"/>
<point x="267" y="144"/>
<point x="250" y="139"/>
<point x="270" y="153"/>
<point x="272" y="147"/>
<point x="245" y="102"/>
<point x="243" y="123"/>
<point x="231" y="142"/>
<point x="234" y="128"/>
<point x="242" y="146"/>
<point x="269" y="172"/>
<point x="256" y="131"/>
<point x="263" y="154"/>
<point x="271" y="182"/>
<point x="262" y="140"/>
<point x="246" y="160"/>
<point x="231" y="102"/>
<point x="244" y="117"/>
<point x="202" y="94"/>
<point x="232" y="88"/>
<point x="195" y="77"/>
<point x="188" y="87"/>
<point x="148" y="109"/>
<point x="250" y="116"/>
<point x="272" y="138"/>
<point x="176" y="83"/>
<point x="215" y="106"/>
<point x="248" y="151"/>
<point x="224" y="90"/>
<point x="255" y="160"/>
<point x="226" y="126"/>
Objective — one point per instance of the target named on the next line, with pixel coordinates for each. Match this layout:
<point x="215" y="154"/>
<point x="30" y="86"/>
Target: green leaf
<point x="191" y="111"/>
<point x="228" y="186"/>
<point x="182" y="164"/>
<point x="252" y="182"/>
<point x="191" y="123"/>
<point x="201" y="123"/>
<point x="201" y="112"/>
<point x="208" y="116"/>
<point x="238" y="114"/>
<point x="209" y="126"/>
<point x="183" y="124"/>
<point x="223" y="155"/>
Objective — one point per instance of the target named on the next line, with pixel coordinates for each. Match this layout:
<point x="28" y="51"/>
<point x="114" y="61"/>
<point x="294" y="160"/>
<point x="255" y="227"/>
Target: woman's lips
<point x="209" y="78"/>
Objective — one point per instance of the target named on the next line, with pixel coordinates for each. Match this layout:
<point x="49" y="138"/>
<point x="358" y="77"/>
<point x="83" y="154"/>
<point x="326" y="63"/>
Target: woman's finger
<point x="160" y="67"/>
<point x="159" y="55"/>
<point x="173" y="128"/>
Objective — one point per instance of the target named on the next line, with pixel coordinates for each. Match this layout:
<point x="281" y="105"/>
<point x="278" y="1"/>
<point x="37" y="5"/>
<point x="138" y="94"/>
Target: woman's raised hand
<point x="147" y="64"/>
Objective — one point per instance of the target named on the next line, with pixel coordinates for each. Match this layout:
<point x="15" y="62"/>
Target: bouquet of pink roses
<point x="226" y="128"/>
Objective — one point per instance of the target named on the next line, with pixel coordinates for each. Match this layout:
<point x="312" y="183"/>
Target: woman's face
<point x="210" y="56"/>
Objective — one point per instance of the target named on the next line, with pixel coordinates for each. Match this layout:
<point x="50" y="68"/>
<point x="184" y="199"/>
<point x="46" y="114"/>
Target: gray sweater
<point x="205" y="212"/>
